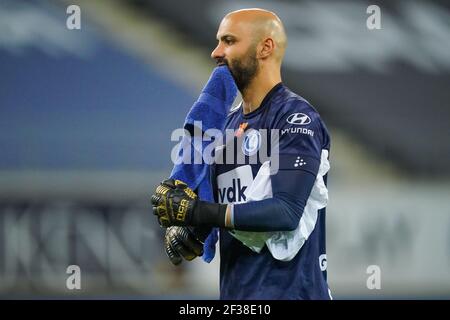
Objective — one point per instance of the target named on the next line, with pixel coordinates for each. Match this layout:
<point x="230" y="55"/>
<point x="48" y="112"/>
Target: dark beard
<point x="244" y="73"/>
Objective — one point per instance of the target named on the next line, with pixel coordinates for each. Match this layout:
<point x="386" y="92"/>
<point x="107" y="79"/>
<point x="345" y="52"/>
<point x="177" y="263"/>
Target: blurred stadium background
<point x="86" y="117"/>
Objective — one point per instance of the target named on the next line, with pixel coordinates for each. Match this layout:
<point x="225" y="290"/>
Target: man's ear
<point x="266" y="48"/>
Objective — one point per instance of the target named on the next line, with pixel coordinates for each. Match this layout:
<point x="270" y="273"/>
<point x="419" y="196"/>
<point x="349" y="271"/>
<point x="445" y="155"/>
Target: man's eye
<point x="229" y="41"/>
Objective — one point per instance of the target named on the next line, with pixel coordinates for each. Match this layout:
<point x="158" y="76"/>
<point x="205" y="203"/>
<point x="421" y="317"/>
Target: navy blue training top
<point x="287" y="132"/>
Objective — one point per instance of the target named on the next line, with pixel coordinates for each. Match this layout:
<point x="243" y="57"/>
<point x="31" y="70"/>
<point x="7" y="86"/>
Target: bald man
<point x="270" y="212"/>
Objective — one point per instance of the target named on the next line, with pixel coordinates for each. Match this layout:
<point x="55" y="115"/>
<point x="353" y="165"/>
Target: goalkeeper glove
<point x="175" y="204"/>
<point x="184" y="242"/>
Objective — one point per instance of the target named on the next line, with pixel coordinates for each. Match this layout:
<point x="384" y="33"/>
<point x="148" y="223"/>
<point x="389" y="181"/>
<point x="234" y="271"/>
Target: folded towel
<point x="211" y="108"/>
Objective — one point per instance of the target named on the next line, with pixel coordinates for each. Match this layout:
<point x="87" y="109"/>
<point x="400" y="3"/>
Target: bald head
<point x="251" y="42"/>
<point x="263" y="25"/>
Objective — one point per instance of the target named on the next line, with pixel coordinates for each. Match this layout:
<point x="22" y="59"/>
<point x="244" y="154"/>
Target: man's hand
<point x="173" y="203"/>
<point x="182" y="242"/>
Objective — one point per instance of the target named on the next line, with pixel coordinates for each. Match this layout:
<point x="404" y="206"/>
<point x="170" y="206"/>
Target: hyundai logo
<point x="299" y="118"/>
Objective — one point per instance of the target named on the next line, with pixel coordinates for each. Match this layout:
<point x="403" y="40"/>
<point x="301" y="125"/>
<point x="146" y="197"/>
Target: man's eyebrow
<point x="226" y="36"/>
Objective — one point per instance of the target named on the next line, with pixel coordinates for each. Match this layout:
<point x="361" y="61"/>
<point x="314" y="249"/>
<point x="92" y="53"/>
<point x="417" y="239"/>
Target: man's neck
<point x="255" y="93"/>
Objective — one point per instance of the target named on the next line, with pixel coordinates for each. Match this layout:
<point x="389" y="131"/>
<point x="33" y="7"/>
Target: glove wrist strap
<point x="209" y="214"/>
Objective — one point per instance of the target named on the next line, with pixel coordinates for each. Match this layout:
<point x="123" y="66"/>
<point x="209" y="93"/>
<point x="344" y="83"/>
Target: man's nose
<point x="217" y="52"/>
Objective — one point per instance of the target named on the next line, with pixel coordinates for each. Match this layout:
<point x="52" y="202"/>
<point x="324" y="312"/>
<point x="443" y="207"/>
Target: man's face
<point x="237" y="50"/>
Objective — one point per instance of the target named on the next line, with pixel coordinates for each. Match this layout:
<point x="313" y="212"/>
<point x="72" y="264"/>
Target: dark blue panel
<point x="74" y="100"/>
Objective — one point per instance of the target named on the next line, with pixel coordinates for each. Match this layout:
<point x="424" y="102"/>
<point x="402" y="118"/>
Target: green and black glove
<point x="175" y="204"/>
